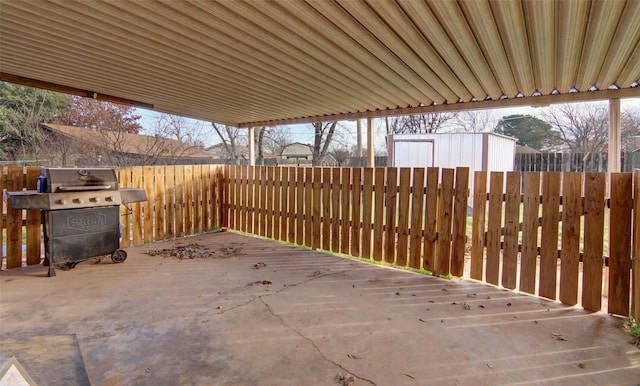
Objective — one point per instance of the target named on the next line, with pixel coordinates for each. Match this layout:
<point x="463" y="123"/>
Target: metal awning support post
<point x="614" y="135"/>
<point x="252" y="146"/>
<point x="370" y="143"/>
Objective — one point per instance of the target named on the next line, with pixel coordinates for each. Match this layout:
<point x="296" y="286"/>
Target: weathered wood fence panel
<point x="367" y="213"/>
<point x="573" y="216"/>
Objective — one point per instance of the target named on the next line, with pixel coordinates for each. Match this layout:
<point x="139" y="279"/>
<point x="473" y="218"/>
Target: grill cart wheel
<point x="119" y="256"/>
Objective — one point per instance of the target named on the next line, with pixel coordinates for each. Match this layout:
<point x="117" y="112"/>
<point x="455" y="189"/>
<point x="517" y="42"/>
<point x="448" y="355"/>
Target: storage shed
<point x="478" y="151"/>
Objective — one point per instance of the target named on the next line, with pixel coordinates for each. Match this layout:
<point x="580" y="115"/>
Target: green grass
<point x="634" y="329"/>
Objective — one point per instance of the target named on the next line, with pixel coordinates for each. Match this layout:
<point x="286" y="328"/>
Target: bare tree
<point x="323" y="136"/>
<point x="583" y="127"/>
<point x="341" y="154"/>
<point x="419" y="123"/>
<point x="474" y="121"/>
<point x="231" y="138"/>
<point x="276" y="139"/>
<point x="177" y="127"/>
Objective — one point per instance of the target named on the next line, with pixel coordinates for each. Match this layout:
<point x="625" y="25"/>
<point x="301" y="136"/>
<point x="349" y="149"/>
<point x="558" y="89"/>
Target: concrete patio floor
<point x="263" y="313"/>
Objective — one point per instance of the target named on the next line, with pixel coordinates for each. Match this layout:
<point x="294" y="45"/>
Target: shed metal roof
<point x="259" y="62"/>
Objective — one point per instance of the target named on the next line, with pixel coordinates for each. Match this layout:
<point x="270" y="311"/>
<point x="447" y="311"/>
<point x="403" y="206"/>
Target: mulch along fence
<point x="522" y="224"/>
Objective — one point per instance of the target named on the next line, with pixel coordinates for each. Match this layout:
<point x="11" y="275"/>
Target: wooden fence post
<point x="635" y="269"/>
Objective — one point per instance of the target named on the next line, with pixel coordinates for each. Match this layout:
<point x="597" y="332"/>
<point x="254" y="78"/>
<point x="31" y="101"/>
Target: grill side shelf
<point x="32" y="200"/>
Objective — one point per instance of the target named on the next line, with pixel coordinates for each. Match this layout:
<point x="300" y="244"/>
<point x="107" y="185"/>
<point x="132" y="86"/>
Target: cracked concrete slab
<point x="273" y="314"/>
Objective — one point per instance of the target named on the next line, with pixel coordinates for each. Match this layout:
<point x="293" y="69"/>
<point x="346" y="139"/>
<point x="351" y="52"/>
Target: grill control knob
<point x="61" y="201"/>
<point x="108" y="198"/>
<point x="77" y="201"/>
<point x="94" y="199"/>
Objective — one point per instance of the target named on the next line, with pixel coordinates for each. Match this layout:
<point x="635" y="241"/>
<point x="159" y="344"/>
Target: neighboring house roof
<point x="525" y="150"/>
<point x="129" y="143"/>
<point x="297" y="149"/>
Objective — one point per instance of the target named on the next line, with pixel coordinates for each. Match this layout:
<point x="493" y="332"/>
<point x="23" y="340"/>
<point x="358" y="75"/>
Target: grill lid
<point x="71" y="179"/>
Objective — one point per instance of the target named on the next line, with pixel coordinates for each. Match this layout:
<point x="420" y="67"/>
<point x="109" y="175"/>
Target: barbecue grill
<point x="80" y="213"/>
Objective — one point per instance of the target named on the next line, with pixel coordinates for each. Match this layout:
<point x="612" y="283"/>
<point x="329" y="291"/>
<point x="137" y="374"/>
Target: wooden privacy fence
<point x="531" y="226"/>
<point x="182" y="200"/>
<point x="408" y="217"/>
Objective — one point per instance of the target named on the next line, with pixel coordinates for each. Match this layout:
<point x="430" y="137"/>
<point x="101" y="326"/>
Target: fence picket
<point x="620" y="243"/>
<point x="549" y="235"/>
<point x="159" y="210"/>
<point x="635" y="269"/>
<point x="570" y="258"/>
<point x="326" y="208"/>
<point x="197" y="199"/>
<point x="417" y="208"/>
<point x="431" y="220"/>
<point x="270" y="201"/>
<point x="291" y="237"/>
<point x="594" y="187"/>
<point x="208" y="185"/>
<point x="356" y="206"/>
<point x="367" y="212"/>
<point x="345" y="211"/>
<point x="478" y="225"/>
<point x="316" y="209"/>
<point x="170" y="198"/>
<point x="147" y="176"/>
<point x="492" y="269"/>
<point x="284" y="202"/>
<point x="137" y="208"/>
<point x="242" y="205"/>
<point x="33" y="222"/>
<point x="404" y="195"/>
<point x="264" y="209"/>
<point x="309" y="207"/>
<point x="529" y="255"/>
<point x="390" y="201"/>
<point x="254" y="203"/>
<point x="459" y="235"/>
<point x="124" y="181"/>
<point x="445" y="209"/>
<point x="378" y="214"/>
<point x="335" y="210"/>
<point x="511" y="230"/>
<point x="300" y="209"/>
<point x="14" y="220"/>
<point x="277" y="199"/>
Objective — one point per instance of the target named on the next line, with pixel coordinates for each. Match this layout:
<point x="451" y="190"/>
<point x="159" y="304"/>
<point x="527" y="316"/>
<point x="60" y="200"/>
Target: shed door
<point x="417" y="154"/>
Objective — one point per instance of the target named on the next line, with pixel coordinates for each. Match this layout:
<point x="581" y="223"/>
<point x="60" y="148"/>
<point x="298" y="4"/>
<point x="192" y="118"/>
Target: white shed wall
<point x="501" y="153"/>
<point x="478" y="151"/>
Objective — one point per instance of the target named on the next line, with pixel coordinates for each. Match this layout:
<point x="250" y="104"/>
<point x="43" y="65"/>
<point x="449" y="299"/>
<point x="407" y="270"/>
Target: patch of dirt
<point x="185" y="252"/>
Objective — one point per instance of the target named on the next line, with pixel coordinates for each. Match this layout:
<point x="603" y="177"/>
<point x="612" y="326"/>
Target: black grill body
<point x="80" y="213"/>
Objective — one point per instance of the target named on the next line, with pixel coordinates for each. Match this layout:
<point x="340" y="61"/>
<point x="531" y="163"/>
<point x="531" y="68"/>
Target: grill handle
<point x="83" y="188"/>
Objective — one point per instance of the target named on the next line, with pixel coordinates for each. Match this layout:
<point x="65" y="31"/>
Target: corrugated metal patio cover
<point x="266" y="62"/>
